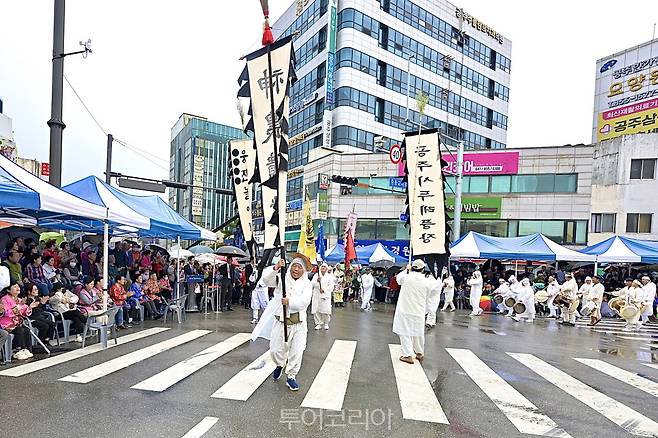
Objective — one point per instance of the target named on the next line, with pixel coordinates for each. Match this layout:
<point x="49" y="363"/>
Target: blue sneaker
<point x="276" y="375"/>
<point x="292" y="384"/>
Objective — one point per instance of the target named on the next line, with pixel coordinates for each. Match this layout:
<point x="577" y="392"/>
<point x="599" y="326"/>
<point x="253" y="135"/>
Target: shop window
<point x="643" y="169"/>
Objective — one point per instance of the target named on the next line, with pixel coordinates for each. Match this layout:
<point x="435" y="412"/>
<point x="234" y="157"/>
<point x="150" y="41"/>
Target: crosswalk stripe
<point x="620" y="414"/>
<point x="615" y="325"/>
<point x="121" y="362"/>
<point x="652" y="365"/>
<point x="519" y="410"/>
<point x="174" y="374"/>
<point x="632" y="379"/>
<point x="201" y="427"/>
<point x="330" y="384"/>
<point x="631" y="338"/>
<point x="417" y="398"/>
<point x="246" y="382"/>
<point x="626" y="332"/>
<point x="28" y="368"/>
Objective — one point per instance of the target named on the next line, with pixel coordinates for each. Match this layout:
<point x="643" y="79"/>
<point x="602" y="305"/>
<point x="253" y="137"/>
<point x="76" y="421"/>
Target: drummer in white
<point x="595" y="296"/>
<point x="649" y="295"/>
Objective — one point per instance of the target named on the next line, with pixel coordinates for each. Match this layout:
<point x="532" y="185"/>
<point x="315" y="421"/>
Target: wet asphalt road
<point x="37" y="404"/>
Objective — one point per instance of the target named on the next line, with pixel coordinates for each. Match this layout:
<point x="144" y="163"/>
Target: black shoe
<point x="570" y="324"/>
<point x="158" y="316"/>
<point x="230" y="309"/>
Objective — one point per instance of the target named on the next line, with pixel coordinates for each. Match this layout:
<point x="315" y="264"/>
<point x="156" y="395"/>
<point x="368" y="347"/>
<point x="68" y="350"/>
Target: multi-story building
<point x="505" y="193"/>
<point x="7" y="144"/>
<point x="361" y="64"/>
<point x="199" y="157"/>
<point x="626" y="93"/>
<point x="624" y="188"/>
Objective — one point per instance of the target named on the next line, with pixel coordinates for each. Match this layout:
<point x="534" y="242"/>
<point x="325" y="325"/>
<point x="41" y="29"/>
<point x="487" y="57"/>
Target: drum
<point x="588" y="308"/>
<point x="629" y="311"/>
<point x="616" y="304"/>
<point x="498" y="299"/>
<point x="541" y="296"/>
<point x="510" y="302"/>
<point x="560" y="301"/>
<point x="519" y="308"/>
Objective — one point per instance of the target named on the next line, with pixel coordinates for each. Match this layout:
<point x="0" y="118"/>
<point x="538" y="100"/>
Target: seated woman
<point x="90" y="303"/>
<point x="65" y="302"/>
<point x="139" y="297"/>
<point x="11" y="320"/>
<point x="72" y="270"/>
<point x="152" y="290"/>
<point x="120" y="296"/>
<point x="165" y="286"/>
<point x="49" y="269"/>
<point x="41" y="320"/>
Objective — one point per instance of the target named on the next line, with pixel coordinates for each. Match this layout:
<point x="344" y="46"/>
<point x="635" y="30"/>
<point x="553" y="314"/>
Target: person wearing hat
<point x="634" y="297"/>
<point x="323" y="288"/>
<point x="504" y="291"/>
<point x="299" y="292"/>
<point x="448" y="293"/>
<point x="339" y="286"/>
<point x="649" y="295"/>
<point x="553" y="290"/>
<point x="367" y="284"/>
<point x="527" y="297"/>
<point x="569" y="290"/>
<point x="475" y="282"/>
<point x="595" y="296"/>
<point x="409" y="319"/>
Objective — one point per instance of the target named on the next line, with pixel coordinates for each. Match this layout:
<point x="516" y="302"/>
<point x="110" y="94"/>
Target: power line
<point x="144" y="151"/>
<point x="141" y="154"/>
<point x="85" y="106"/>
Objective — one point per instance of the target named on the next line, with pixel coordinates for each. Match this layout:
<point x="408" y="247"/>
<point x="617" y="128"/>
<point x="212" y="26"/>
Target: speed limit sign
<point x="395" y="154"/>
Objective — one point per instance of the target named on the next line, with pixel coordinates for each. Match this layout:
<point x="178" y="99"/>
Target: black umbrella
<point x="381" y="264"/>
<point x="231" y="251"/>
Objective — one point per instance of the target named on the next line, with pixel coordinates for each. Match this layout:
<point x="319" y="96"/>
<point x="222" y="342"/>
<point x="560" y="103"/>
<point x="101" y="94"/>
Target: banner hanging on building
<point x="266" y="80"/>
<point x="425" y="197"/>
<point x="243" y="164"/>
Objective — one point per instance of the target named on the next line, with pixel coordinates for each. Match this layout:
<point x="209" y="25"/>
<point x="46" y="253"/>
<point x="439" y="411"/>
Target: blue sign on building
<point x="397" y="183"/>
<point x="329" y="85"/>
<point x="398" y="247"/>
<point x="295" y="204"/>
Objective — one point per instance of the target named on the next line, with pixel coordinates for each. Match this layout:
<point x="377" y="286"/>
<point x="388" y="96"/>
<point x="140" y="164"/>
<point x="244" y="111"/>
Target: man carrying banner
<point x="299" y="292"/>
<point x="409" y="319"/>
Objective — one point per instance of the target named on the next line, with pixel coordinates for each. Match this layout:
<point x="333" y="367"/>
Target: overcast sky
<point x="154" y="60"/>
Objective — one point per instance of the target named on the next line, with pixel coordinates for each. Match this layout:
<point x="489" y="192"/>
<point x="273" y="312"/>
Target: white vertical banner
<point x="243" y="164"/>
<point x="350" y="225"/>
<point x="425" y="195"/>
<point x="266" y="80"/>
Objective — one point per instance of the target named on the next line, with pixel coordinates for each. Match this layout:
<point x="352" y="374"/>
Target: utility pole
<point x="55" y="123"/>
<point x="457" y="216"/>
<point x="108" y="159"/>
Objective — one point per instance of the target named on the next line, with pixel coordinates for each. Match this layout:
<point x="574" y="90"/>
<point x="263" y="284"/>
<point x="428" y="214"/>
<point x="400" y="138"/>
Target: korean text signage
<point x="476" y="208"/>
<point x="331" y="52"/>
<point x="197" y="190"/>
<point x="477" y="24"/>
<point x="495" y="163"/>
<point x="397" y="247"/>
<point x="322" y="205"/>
<point x="626" y="100"/>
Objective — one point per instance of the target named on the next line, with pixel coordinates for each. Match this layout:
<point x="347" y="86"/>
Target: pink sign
<point x="630" y="109"/>
<point x="497" y="163"/>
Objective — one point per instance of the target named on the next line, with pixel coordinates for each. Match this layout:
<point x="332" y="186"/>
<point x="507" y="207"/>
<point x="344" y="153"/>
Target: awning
<point x="536" y="247"/>
<point x="365" y="254"/>
<point x="619" y="249"/>
<point x="28" y="200"/>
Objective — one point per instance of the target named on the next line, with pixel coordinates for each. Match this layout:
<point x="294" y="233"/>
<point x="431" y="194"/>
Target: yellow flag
<point x="306" y="243"/>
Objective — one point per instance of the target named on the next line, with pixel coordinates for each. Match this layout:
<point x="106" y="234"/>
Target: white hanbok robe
<point x="476" y="293"/>
<point x="367" y="284"/>
<point x="553" y="290"/>
<point x="449" y="290"/>
<point x="323" y="288"/>
<point x="648" y="296"/>
<point x="527" y="297"/>
<point x="409" y="319"/>
<point x="433" y="299"/>
<point x="595" y="295"/>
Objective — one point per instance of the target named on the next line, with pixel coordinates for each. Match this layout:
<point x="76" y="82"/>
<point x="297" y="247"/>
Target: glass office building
<point x="361" y="64"/>
<point x="199" y="156"/>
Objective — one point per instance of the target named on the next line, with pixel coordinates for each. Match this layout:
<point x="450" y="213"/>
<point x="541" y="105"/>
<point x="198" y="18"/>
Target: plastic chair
<point x="176" y="305"/>
<point x="66" y="326"/>
<point x="6" y="349"/>
<point x="35" y="335"/>
<point x="102" y="327"/>
<point x="140" y="308"/>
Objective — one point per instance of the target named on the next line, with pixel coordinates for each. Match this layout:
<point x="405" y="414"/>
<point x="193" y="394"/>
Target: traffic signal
<point x="344" y="180"/>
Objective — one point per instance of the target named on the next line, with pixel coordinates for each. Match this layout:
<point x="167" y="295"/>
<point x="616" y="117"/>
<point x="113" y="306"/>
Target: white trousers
<point x="431" y="318"/>
<point x="568" y="316"/>
<point x="321" y="318"/>
<point x="365" y="299"/>
<point x="288" y="355"/>
<point x="448" y="304"/>
<point x="412" y="345"/>
<point x="254" y="314"/>
<point x="551" y="307"/>
<point x="475" y="303"/>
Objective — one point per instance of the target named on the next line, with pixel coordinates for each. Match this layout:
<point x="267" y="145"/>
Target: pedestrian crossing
<point x="416" y="397"/>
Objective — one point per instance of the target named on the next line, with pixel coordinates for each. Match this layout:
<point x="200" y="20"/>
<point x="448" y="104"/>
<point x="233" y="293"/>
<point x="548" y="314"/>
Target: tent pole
<point x="106" y="244"/>
<point x="516" y="268"/>
<point x="596" y="266"/>
<point x="178" y="271"/>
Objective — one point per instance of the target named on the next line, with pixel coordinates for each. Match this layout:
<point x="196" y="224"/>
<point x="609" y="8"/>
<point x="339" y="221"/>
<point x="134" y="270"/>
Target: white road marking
<point x="417" y="398"/>
<point x="620" y="414"/>
<point x="174" y="374"/>
<point x="121" y="362"/>
<point x="630" y="338"/>
<point x="625" y="332"/>
<point x="246" y="382"/>
<point x="519" y="410"/>
<point x="28" y="368"/>
<point x="201" y="427"/>
<point x="652" y="365"/>
<point x="330" y="384"/>
<point x="624" y="376"/>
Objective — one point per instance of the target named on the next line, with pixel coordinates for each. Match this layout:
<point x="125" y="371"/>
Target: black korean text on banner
<point x="243" y="164"/>
<point x="266" y="80"/>
<point x="425" y="196"/>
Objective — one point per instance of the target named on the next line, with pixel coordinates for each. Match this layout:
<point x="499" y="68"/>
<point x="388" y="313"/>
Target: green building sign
<point x="476" y="208"/>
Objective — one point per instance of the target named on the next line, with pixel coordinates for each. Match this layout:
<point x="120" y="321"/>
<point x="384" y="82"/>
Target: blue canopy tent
<point x="146" y="216"/>
<point x="619" y="249"/>
<point x="26" y="199"/>
<point x="365" y="254"/>
<point x="535" y="247"/>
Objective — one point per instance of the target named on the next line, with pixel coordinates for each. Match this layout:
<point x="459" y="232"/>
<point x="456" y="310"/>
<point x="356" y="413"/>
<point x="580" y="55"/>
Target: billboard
<point x="476" y="208"/>
<point x="626" y="99"/>
<point x="495" y="163"/>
